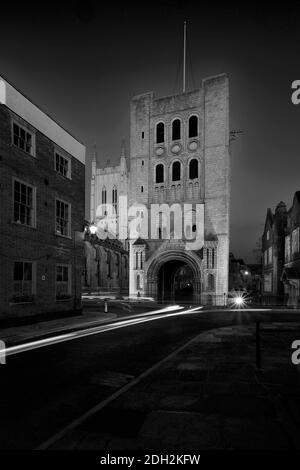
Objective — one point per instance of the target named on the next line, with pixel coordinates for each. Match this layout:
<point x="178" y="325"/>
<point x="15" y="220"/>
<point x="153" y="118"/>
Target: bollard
<point x="105" y="305"/>
<point x="258" y="348"/>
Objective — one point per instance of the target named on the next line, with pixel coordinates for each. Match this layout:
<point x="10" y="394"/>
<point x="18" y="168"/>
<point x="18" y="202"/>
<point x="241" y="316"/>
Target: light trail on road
<point x="159" y="314"/>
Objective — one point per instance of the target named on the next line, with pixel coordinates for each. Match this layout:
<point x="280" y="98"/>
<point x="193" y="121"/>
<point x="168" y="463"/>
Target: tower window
<point x="142" y="162"/>
<point x="142" y="189"/>
<point x="210" y="282"/>
<point x="211" y="258"/>
<point x="176" y="129"/>
<point x="193" y="126"/>
<point x="159" y="173"/>
<point x="104" y="200"/>
<point x="176" y="171"/>
<point x="143" y="135"/>
<point x="160" y="133"/>
<point x="193" y="169"/>
<point x="115" y="198"/>
<point x="104" y="195"/>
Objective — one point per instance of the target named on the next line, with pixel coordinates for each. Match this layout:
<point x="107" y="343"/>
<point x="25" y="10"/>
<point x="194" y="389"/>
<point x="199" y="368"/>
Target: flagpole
<point x="184" y="54"/>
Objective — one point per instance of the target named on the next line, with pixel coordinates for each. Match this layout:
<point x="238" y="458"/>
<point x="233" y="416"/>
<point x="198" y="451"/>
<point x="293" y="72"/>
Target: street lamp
<point x="239" y="301"/>
<point x="93" y="229"/>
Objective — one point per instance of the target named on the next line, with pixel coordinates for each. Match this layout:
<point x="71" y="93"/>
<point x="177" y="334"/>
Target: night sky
<point x="82" y="63"/>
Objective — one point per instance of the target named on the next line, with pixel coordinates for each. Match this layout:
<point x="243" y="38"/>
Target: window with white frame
<point x="22" y="138"/>
<point x="295" y="241"/>
<point x="63" y="281"/>
<point x="24" y="203"/>
<point x="63" y="218"/>
<point x="23" y="285"/>
<point x="62" y="165"/>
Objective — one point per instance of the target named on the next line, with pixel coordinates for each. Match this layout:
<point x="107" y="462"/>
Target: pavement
<point x="93" y="314"/>
<point x="207" y="395"/>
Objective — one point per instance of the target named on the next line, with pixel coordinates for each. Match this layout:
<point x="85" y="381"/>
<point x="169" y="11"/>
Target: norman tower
<point x="179" y="156"/>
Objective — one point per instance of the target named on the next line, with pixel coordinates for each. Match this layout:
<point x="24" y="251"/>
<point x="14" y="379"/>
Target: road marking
<point x="25" y="347"/>
<point x="60" y="434"/>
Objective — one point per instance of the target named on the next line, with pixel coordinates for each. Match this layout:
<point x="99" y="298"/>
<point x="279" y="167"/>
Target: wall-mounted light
<point x="93" y="229"/>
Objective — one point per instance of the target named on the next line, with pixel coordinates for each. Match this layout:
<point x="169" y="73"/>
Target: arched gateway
<point x="174" y="275"/>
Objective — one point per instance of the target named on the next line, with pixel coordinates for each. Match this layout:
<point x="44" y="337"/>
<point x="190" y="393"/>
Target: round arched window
<point x="159" y="173"/>
<point x="176" y="129"/>
<point x="160" y="133"/>
<point x="176" y="171"/>
<point x="193" y="169"/>
<point x="193" y="126"/>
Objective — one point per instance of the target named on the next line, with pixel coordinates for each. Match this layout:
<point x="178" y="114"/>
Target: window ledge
<point x="69" y="178"/>
<point x="68" y="237"/>
<point x="23" y="225"/>
<point x="64" y="300"/>
<point x="33" y="155"/>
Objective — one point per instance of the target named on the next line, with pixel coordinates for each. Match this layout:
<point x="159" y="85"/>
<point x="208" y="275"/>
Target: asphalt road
<point x="45" y="389"/>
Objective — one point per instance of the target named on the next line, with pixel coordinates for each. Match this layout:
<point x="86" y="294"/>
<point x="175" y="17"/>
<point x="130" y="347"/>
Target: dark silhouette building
<point x="273" y="255"/>
<point x="291" y="270"/>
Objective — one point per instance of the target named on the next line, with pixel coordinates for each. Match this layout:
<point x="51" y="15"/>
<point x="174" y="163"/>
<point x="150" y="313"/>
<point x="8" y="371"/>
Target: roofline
<point x="205" y="79"/>
<point x="41" y="109"/>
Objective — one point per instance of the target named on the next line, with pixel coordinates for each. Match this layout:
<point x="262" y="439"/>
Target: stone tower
<point x="179" y="154"/>
<point x="178" y="188"/>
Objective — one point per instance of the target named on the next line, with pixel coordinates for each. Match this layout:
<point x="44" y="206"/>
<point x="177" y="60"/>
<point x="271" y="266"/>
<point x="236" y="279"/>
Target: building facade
<point x="106" y="270"/>
<point x="290" y="276"/>
<point x="177" y="188"/>
<point x="273" y="255"/>
<point x="245" y="277"/>
<point x="42" y="173"/>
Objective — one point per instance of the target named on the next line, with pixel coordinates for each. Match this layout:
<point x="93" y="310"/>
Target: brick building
<point x="42" y="171"/>
<point x="179" y="155"/>
<point x="273" y="254"/>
